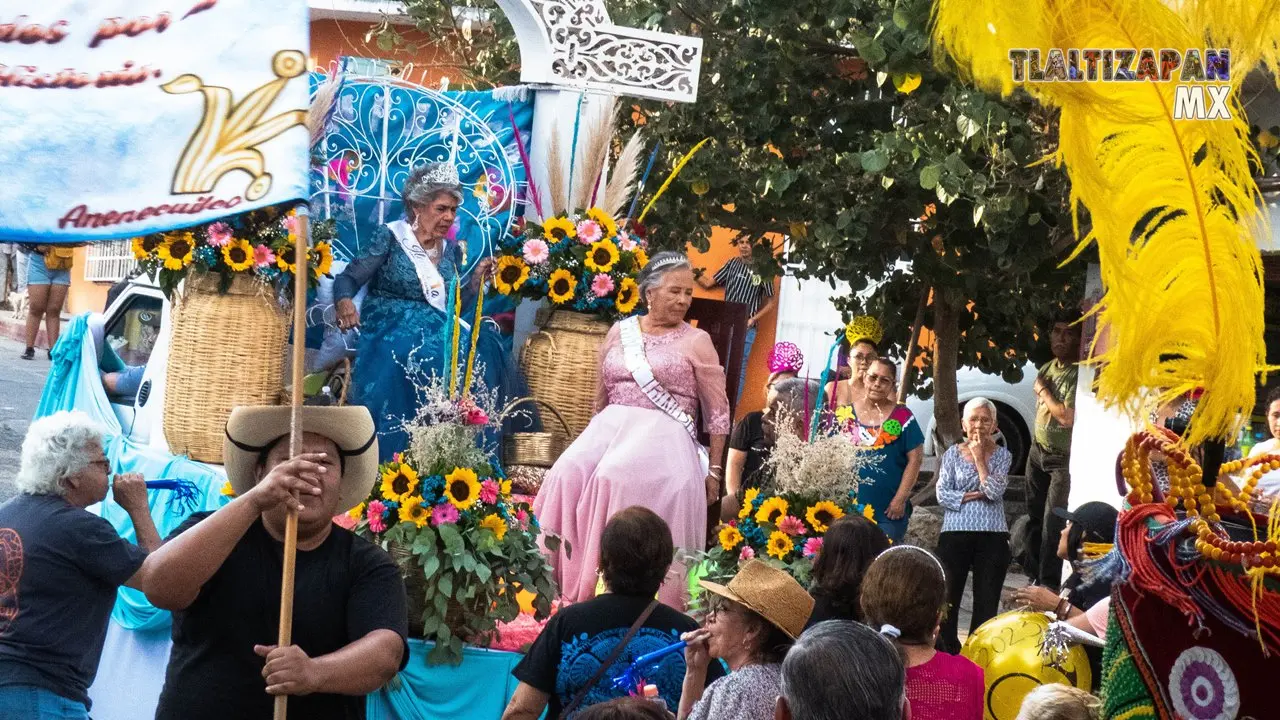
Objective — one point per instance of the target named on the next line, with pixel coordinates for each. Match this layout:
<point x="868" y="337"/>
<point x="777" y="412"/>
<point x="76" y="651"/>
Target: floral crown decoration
<point x="864" y="328"/>
<point x="785" y="357"/>
<point x="436" y="174"/>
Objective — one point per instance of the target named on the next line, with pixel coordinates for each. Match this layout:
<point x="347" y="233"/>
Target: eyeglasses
<point x="864" y="357"/>
<point x="878" y="380"/>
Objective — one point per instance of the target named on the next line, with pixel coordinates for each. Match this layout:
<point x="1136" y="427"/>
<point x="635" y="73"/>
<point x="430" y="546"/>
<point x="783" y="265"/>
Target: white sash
<point x="433" y="287"/>
<point x="638" y="365"/>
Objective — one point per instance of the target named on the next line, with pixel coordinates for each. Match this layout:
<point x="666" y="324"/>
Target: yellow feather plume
<point x="671" y="178"/>
<point x="1251" y="28"/>
<point x="1172" y="205"/>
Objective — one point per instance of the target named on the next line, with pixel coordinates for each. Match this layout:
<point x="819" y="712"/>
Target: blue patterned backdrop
<point x="382" y="127"/>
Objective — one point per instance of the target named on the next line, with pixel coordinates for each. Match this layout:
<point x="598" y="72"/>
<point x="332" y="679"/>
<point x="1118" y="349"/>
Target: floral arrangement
<point x="259" y="243"/>
<point x="446" y="513"/>
<point x="785" y="530"/>
<point x="582" y="261"/>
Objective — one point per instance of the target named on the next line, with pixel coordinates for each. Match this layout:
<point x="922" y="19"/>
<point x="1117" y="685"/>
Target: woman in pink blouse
<point x="658" y="376"/>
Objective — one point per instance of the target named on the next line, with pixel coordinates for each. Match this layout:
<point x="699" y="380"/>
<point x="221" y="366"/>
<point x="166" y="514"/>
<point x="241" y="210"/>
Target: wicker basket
<point x="538" y="449"/>
<point x="415" y="586"/>
<point x="226" y="350"/>
<point x="561" y="363"/>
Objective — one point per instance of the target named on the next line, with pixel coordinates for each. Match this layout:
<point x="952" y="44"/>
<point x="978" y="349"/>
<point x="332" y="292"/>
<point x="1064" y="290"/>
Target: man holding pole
<point x="222" y="570"/>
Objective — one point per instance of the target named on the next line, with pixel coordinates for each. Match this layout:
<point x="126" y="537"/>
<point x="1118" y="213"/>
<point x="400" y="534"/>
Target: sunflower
<point x="642" y="258"/>
<point x="748" y="500"/>
<point x="322" y="258"/>
<point x="227" y="489"/>
<point x="602" y="256"/>
<point x="558" y="229"/>
<point x="628" y="296"/>
<point x="505" y="488"/>
<point x="604" y="220"/>
<point x="821" y="514"/>
<point x="357" y="512"/>
<point x="844" y="414"/>
<point x="511" y="274"/>
<point x="772" y="510"/>
<point x="176" y="250"/>
<point x="462" y="488"/>
<point x="398" y="482"/>
<point x="560" y="286"/>
<point x="869" y="512"/>
<point x="730" y="537"/>
<point x="145" y="247"/>
<point x="780" y="544"/>
<point x="496" y="524"/>
<point x="285" y="258"/>
<point x="238" y="254"/>
<point x="412" y="510"/>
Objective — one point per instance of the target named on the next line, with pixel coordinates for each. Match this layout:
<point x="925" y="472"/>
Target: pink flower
<point x="444" y="514"/>
<point x="522" y="517"/>
<point x="536" y="251"/>
<point x="396" y="457"/>
<point x="262" y="256"/>
<point x="344" y="521"/>
<point x="626" y="243"/>
<point x="747" y="553"/>
<point x="476" y="416"/>
<point x="218" y="234"/>
<point x="374" y="513"/>
<point x="589" y="231"/>
<point x="812" y="547"/>
<point x="291" y="224"/>
<point x="489" y="492"/>
<point x="602" y="285"/>
<point x="791" y="525"/>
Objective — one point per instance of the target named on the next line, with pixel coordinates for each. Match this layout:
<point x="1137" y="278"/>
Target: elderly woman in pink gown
<point x="658" y="374"/>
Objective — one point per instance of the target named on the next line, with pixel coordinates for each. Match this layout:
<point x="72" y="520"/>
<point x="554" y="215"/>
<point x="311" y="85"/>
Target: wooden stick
<point x="300" y="277"/>
<point x="908" y="367"/>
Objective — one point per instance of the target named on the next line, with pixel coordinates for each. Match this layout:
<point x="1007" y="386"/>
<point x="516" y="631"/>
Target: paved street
<point x="20" y="384"/>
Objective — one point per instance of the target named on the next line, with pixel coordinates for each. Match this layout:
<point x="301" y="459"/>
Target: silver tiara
<point x="668" y="262"/>
<point x="443" y="174"/>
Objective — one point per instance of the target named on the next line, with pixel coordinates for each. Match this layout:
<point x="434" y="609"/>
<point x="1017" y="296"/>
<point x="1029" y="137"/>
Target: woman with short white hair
<point x="61" y="566"/>
<point x="972" y="479"/>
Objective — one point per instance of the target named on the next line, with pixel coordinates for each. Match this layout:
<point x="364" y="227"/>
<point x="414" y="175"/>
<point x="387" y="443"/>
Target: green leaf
<point x="874" y="161"/>
<point x="1033" y="218"/>
<point x="843" y="219"/>
<point x="967" y="126"/>
<point x="431" y="566"/>
<point x="929" y="175"/>
<point x="886" y="182"/>
<point x="955" y="164"/>
<point x="552" y="542"/>
<point x="445" y="584"/>
<point x="872" y="52"/>
<point x="483" y="573"/>
<point x="977" y="214"/>
<point x="901" y="19"/>
<point x="452" y="539"/>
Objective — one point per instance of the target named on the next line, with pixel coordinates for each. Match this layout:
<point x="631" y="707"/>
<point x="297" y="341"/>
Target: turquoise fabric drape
<point x="478" y="689"/>
<point x="73" y="383"/>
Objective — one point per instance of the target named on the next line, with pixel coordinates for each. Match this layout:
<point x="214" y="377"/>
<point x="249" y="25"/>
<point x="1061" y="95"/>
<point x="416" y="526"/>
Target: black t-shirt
<point x="828" y="607"/>
<point x="343" y="590"/>
<point x="581" y="636"/>
<point x="61" y="567"/>
<point x="748" y="436"/>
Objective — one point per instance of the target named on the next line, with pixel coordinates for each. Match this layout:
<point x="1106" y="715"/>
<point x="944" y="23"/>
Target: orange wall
<point x="84" y="296"/>
<point x="757" y="372"/>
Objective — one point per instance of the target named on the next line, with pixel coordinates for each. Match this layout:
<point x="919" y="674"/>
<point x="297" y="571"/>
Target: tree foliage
<point x="835" y="132"/>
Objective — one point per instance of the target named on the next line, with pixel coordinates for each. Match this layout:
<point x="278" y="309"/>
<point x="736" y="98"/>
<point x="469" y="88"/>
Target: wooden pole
<point x="301" y="250"/>
<point x="917" y="325"/>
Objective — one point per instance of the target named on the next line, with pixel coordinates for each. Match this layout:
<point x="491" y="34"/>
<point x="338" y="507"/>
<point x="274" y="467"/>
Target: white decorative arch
<point x="573" y="45"/>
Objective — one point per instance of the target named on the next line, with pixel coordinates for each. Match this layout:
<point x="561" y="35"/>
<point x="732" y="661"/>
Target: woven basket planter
<point x="415" y="586"/>
<point x="561" y="363"/>
<point x="226" y="350"/>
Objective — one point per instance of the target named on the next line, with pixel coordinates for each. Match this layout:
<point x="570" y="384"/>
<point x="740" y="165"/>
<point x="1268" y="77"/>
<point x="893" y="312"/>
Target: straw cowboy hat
<point x="251" y="430"/>
<point x="770" y="593"/>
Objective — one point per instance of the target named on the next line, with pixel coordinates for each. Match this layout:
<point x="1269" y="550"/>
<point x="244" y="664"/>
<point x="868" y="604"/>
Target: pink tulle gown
<point x="634" y="454"/>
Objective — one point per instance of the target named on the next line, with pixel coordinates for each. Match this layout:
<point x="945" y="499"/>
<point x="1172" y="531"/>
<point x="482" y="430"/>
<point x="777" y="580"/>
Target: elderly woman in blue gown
<point x="408" y="266"/>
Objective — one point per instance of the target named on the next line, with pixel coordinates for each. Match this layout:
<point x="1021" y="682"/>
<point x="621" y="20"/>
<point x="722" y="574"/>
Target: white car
<point x="1015" y="413"/>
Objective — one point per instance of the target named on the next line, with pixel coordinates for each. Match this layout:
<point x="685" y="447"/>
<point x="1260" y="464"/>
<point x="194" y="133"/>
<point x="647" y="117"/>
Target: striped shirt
<point x="958" y="476"/>
<point x="742" y="285"/>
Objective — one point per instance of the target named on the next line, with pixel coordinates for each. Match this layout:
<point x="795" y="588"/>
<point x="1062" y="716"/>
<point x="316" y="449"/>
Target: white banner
<point x="125" y="117"/>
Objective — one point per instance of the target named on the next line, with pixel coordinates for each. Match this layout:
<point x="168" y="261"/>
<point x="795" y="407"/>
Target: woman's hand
<point x="1039" y="599"/>
<point x="971" y="496"/>
<point x="897" y="508"/>
<point x="713" y="488"/>
<point x="481" y="273"/>
<point x="696" y="654"/>
<point x="348" y="316"/>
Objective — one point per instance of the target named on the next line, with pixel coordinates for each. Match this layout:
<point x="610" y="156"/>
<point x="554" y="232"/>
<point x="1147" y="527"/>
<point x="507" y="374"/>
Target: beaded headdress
<point x="864" y="328"/>
<point x="785" y="357"/>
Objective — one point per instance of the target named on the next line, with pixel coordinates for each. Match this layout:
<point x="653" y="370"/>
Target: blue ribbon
<point x="186" y="495"/>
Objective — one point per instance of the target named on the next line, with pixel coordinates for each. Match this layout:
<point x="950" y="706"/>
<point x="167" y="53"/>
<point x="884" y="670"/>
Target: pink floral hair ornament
<point x="785" y="357"/>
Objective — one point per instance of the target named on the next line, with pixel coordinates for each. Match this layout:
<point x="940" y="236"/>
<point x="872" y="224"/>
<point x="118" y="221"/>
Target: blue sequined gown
<point x="395" y="321"/>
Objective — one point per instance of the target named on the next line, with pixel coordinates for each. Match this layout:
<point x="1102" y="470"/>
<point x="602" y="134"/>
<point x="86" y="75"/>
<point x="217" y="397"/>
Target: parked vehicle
<point x="1015" y="412"/>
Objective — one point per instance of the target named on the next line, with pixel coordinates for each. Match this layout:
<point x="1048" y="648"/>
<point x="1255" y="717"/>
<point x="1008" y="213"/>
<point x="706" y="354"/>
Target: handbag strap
<point x="613" y="656"/>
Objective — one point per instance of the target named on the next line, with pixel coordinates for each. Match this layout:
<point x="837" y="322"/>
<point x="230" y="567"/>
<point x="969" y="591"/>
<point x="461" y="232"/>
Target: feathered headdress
<point x="1172" y="205"/>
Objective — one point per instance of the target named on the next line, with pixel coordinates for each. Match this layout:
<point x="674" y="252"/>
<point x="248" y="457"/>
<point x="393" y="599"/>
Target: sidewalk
<point x="15" y="329"/>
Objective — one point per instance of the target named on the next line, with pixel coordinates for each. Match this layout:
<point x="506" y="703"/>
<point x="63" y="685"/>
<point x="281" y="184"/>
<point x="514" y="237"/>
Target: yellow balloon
<point x="526" y="598"/>
<point x="1007" y="648"/>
